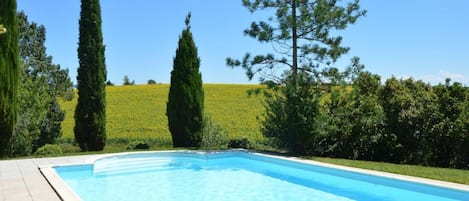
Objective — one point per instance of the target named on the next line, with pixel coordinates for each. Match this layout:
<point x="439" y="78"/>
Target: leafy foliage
<point x="9" y="67"/>
<point x="49" y="150"/>
<point x="41" y="83"/>
<point x="69" y="148"/>
<point x="213" y="135"/>
<point x="404" y="121"/>
<point x="185" y="105"/>
<point x="291" y="112"/>
<point x="137" y="145"/>
<point x="450" y="136"/>
<point x="242" y="143"/>
<point x="408" y="108"/>
<point x="51" y="125"/>
<point x="90" y="114"/>
<point x="31" y="110"/>
<point x="351" y="121"/>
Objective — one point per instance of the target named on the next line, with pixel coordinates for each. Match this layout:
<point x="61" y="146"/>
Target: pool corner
<point x="57" y="184"/>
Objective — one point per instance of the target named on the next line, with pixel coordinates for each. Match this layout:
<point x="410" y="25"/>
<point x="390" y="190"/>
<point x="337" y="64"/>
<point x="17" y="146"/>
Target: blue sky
<point x="423" y="39"/>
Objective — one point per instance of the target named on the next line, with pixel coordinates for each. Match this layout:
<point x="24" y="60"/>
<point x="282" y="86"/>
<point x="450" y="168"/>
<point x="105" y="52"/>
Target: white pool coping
<point x="420" y="180"/>
<point x="67" y="194"/>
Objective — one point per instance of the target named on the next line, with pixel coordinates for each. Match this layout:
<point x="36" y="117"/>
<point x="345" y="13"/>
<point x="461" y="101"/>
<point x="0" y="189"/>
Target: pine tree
<point x="186" y="97"/>
<point x="90" y="113"/>
<point x="9" y="62"/>
<point x="300" y="33"/>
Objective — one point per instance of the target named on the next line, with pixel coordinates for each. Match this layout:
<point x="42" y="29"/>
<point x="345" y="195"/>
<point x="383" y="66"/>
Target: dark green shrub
<point x="137" y="145"/>
<point x="291" y="113"/>
<point x="49" y="150"/>
<point x="239" y="143"/>
<point x="151" y="82"/>
<point x="51" y="124"/>
<point x="69" y="148"/>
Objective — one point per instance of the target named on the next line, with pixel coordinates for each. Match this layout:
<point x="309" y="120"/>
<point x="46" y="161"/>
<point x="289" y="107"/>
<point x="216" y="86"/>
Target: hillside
<point x="139" y="112"/>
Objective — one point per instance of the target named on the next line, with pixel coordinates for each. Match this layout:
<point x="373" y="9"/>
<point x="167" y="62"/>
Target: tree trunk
<point x="294" y="40"/>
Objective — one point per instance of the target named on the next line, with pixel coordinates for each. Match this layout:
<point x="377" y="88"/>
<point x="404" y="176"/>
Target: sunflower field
<point x="138" y="112"/>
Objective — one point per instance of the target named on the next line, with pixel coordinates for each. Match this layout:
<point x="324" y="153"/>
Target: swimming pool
<point x="238" y="175"/>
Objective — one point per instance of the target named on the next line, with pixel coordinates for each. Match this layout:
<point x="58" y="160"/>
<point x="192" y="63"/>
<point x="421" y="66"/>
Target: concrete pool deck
<point x="22" y="180"/>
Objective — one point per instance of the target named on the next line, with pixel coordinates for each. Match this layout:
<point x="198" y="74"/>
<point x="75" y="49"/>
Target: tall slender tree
<point x="90" y="113"/>
<point x="186" y="96"/>
<point x="9" y="62"/>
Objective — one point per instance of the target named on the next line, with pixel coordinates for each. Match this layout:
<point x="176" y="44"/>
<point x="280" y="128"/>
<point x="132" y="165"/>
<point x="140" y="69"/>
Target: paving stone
<point x="41" y="161"/>
<point x="57" y="161"/>
<point x="37" y="185"/>
<point x="28" y="168"/>
<point x="13" y="184"/>
<point x="20" y="196"/>
<point x="76" y="160"/>
<point x="10" y="170"/>
<point x="2" y="198"/>
<point x="15" y="189"/>
<point x="45" y="197"/>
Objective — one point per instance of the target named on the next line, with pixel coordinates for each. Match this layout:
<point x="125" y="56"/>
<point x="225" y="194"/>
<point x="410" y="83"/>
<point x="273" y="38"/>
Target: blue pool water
<point x="234" y="176"/>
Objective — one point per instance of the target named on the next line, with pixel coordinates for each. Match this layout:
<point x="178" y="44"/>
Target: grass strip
<point x="443" y="174"/>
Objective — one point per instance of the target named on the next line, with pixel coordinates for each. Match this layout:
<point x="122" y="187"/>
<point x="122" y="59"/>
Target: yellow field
<point x="139" y="112"/>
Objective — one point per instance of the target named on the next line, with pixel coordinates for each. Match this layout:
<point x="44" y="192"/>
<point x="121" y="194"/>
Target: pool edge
<point x="413" y="179"/>
<point x="57" y="184"/>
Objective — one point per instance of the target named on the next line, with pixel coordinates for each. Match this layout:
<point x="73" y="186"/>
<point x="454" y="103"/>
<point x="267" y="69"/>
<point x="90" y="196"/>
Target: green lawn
<point x="444" y="174"/>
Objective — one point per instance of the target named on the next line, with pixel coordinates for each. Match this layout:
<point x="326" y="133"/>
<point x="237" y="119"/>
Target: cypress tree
<point x="90" y="113"/>
<point x="9" y="62"/>
<point x="186" y="97"/>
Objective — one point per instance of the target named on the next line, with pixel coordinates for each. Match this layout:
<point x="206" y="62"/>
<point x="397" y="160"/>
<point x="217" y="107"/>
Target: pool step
<point x="112" y="166"/>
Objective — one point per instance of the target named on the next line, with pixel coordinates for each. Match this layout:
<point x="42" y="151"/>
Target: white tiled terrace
<point x="21" y="180"/>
